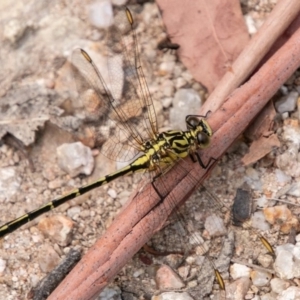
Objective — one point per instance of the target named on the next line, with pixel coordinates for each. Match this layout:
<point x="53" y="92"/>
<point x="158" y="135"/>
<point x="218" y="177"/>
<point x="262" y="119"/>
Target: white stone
<point x="250" y="24"/>
<point x="238" y="271"/>
<point x="180" y="82"/>
<point x="48" y="259"/>
<point x="262" y="202"/>
<point x="168" y="88"/>
<point x="287" y="103"/>
<point x="258" y="221"/>
<point x="112" y="193"/>
<point x="267" y="296"/>
<point x="110" y="293"/>
<point x="294" y="190"/>
<point x="186" y="101"/>
<point x="282" y="177"/>
<point x="290" y="293"/>
<point x="279" y="285"/>
<point x="2" y="265"/>
<point x="9" y="182"/>
<point x="298" y="238"/>
<point x="118" y="2"/>
<point x="75" y="159"/>
<point x="167" y="67"/>
<point x="166" y="102"/>
<point x="101" y="14"/>
<point x="138" y="272"/>
<point x="215" y="226"/>
<point x="73" y="211"/>
<point x="286" y="265"/>
<point x="58" y="228"/>
<point x="238" y="289"/>
<point x="260" y="278"/>
<point x="173" y="296"/>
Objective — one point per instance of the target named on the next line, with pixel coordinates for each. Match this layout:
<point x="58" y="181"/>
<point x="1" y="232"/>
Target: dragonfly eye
<point x="161" y="137"/>
<point x="191" y="122"/>
<point x="148" y="145"/>
<point x="202" y="139"/>
<point x="156" y="157"/>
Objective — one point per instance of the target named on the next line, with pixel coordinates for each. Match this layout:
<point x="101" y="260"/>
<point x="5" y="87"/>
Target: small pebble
<point x="166" y="102"/>
<point x="262" y="202"/>
<point x="58" y="228"/>
<point x="110" y="293"/>
<point x="168" y="88"/>
<point x="260" y="278"/>
<point x="9" y="182"/>
<point x="215" y="226"/>
<point x="258" y="221"/>
<point x="238" y="271"/>
<point x="138" y="272"/>
<point x="101" y="14"/>
<point x="173" y="296"/>
<point x="184" y="272"/>
<point x="118" y="2"/>
<point x="112" y="193"/>
<point x="185" y="102"/>
<point x="282" y="215"/>
<point x="56" y="183"/>
<point x="250" y="23"/>
<point x="287" y="103"/>
<point x="265" y="260"/>
<point x="13" y="30"/>
<point x="238" y="289"/>
<point x="74" y="211"/>
<point x="2" y="265"/>
<point x="180" y="83"/>
<point x="167" y="67"/>
<point x="286" y="265"/>
<point x="75" y="159"/>
<point x="48" y="259"/>
<point x="267" y="296"/>
<point x="166" y="278"/>
<point x="279" y="285"/>
<point x="292" y="293"/>
<point x="294" y="189"/>
<point x="282" y="177"/>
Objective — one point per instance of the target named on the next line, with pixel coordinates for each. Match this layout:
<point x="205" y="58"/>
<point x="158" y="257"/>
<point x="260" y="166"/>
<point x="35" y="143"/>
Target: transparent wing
<point x="122" y="100"/>
<point x="169" y="202"/>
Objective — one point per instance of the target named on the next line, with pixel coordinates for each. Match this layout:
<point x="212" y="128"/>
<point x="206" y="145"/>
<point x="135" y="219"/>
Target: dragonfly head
<point x="200" y="130"/>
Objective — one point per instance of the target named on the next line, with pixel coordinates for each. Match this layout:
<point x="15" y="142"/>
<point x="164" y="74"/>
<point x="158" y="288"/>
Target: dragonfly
<point x="133" y="119"/>
<point x="132" y="116"/>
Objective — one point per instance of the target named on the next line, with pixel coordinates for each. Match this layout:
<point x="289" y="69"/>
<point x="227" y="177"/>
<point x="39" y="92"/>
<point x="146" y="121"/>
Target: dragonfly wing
<point x="119" y="99"/>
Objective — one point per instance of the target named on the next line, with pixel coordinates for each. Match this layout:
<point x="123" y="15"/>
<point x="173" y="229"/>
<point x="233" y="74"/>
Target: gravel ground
<point x="37" y="47"/>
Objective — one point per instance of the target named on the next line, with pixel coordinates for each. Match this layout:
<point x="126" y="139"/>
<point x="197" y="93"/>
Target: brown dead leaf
<point x="260" y="148"/>
<point x="262" y="124"/>
<point x="211" y="34"/>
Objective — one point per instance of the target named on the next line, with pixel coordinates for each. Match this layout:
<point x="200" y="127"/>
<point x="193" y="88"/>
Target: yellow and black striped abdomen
<point x="159" y="153"/>
<point x="140" y="164"/>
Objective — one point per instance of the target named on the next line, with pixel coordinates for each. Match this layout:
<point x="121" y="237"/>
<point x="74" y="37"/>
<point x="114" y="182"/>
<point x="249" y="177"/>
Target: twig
<point x="276" y="23"/>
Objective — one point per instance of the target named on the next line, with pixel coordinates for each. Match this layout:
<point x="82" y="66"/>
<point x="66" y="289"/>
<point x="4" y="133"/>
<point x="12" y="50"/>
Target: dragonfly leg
<point x="196" y="157"/>
<point x="157" y="190"/>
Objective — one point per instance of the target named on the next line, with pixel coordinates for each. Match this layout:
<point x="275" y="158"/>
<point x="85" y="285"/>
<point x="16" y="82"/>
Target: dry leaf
<point x="260" y="148"/>
<point x="262" y="124"/>
<point x="211" y="34"/>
